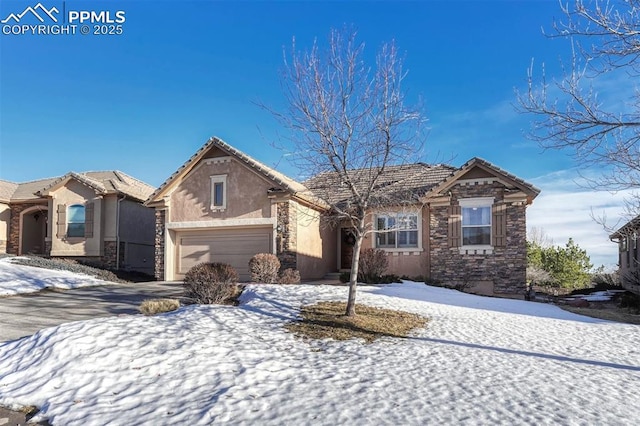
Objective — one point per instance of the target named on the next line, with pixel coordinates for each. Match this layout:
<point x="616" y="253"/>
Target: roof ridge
<point x="500" y="169"/>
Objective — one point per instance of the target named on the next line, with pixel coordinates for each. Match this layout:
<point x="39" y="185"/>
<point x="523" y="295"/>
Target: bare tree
<point x="349" y="124"/>
<point x="579" y="112"/>
<point x="538" y="236"/>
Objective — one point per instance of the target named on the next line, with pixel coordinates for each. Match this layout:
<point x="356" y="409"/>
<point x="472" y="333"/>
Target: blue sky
<point x="182" y="71"/>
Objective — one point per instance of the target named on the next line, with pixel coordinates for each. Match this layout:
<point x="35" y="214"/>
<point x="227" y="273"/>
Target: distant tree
<point x="605" y="278"/>
<point x="538" y="236"/>
<point x="567" y="266"/>
<point x="349" y="120"/>
<point x="571" y="113"/>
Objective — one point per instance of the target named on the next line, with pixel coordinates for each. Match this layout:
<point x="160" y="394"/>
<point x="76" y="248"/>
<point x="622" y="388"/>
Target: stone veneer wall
<point x="159" y="243"/>
<point x="505" y="268"/>
<point x="109" y="257"/>
<point x="287" y="235"/>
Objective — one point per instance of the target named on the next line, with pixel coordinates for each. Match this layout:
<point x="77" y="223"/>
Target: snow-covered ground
<point x="478" y="361"/>
<point x="18" y="279"/>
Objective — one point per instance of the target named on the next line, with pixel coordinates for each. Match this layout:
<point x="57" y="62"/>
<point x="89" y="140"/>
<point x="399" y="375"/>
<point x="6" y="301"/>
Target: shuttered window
<point x="61" y="222"/>
<point x="477" y="222"/>
<point x="455" y="223"/>
<point x="499" y="225"/>
<point x="88" y="220"/>
<point x="75" y="221"/>
<point x="476" y="226"/>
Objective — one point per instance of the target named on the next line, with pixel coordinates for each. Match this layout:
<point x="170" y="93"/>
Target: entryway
<point x="33" y="230"/>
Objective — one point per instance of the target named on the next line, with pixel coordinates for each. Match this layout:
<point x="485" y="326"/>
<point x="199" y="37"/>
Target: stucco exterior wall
<point x="316" y="244"/>
<point x="61" y="245"/>
<point x="411" y="262"/>
<point x="109" y="208"/>
<point x="246" y="193"/>
<point x="5" y="217"/>
<point x="502" y="272"/>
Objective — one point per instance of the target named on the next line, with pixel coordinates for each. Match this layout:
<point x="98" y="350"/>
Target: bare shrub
<point x="208" y="283"/>
<point x="289" y="276"/>
<point x="372" y="265"/>
<point x="158" y="306"/>
<point x="264" y="268"/>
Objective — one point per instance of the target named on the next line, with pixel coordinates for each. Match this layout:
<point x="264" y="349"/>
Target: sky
<point x="145" y="100"/>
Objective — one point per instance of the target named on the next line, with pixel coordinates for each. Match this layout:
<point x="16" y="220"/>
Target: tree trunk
<point x="353" y="282"/>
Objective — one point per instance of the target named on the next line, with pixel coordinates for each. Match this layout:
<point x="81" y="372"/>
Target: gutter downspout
<point x="118" y="232"/>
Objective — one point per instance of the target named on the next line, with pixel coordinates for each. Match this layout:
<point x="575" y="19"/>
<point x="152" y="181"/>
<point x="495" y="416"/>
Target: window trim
<point x="479" y="202"/>
<point x="396" y="214"/>
<point x="69" y="221"/>
<point x="223" y="180"/>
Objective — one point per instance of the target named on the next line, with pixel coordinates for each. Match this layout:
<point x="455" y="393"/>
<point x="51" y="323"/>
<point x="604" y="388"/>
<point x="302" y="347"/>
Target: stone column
<point x="286" y="237"/>
<point x="159" y="243"/>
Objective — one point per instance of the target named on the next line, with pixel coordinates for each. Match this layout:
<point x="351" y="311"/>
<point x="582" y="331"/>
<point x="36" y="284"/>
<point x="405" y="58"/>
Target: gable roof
<point x="519" y="183"/>
<point x="396" y="183"/>
<point x="6" y="190"/>
<point x="627" y="229"/>
<point x="285" y="182"/>
<point x="103" y="182"/>
<point x="417" y="178"/>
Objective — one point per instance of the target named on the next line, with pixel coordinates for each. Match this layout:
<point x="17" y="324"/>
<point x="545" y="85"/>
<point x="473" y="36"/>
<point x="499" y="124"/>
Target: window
<point x="219" y="192"/>
<point x="476" y="221"/>
<point x="75" y="221"/>
<point x="401" y="231"/>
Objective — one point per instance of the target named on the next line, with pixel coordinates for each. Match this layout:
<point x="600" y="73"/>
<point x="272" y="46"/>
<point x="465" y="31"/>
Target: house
<point x="466" y="225"/>
<point x="628" y="260"/>
<point x="95" y="216"/>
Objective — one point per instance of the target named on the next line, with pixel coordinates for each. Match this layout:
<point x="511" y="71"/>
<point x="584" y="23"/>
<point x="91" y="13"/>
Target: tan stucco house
<point x="628" y="257"/>
<point x="97" y="216"/>
<point x="466" y="224"/>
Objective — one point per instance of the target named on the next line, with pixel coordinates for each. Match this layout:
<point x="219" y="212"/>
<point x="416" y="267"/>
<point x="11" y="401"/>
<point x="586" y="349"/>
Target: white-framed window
<point x="476" y="221"/>
<point x="75" y="221"/>
<point x="219" y="192"/>
<point x="397" y="230"/>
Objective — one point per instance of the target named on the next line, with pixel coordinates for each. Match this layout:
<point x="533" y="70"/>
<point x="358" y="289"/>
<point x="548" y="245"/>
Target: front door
<point x="347" y="241"/>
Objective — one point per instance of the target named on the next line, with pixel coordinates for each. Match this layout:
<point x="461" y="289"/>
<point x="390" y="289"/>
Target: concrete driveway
<point x="24" y="315"/>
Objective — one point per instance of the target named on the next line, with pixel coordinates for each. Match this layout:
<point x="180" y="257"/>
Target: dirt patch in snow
<point x="326" y="320"/>
<point x="605" y="311"/>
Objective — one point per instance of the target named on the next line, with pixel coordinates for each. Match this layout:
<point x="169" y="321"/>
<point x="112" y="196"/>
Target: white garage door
<point x="231" y="246"/>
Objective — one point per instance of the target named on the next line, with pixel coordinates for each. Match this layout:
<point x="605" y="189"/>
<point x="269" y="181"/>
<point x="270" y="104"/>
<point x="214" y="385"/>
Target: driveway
<point x="24" y="315"/>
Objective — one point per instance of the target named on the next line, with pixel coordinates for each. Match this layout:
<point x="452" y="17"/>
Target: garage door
<point x="231" y="246"/>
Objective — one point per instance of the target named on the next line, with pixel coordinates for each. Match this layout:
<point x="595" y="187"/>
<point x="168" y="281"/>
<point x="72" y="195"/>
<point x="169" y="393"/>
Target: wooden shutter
<point x="455" y="226"/>
<point x="88" y="220"/>
<point x="62" y="221"/>
<point x="499" y="225"/>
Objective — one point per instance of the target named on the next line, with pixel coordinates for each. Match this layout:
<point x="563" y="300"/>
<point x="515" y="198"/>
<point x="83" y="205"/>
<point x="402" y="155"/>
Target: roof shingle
<point x="416" y="178"/>
<point x="104" y="182"/>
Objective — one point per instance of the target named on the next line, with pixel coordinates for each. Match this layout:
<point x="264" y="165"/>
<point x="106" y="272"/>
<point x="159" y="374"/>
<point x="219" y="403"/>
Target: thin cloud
<point x="566" y="209"/>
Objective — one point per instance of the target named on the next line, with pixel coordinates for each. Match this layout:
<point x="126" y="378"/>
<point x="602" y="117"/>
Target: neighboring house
<point x="464" y="226"/>
<point x="97" y="216"/>
<point x="628" y="259"/>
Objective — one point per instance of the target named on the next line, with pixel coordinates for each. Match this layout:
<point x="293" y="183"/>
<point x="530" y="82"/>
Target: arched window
<point x="75" y="221"/>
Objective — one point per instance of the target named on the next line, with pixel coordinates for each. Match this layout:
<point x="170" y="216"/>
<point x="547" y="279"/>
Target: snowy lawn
<point x="18" y="279"/>
<point x="478" y="361"/>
